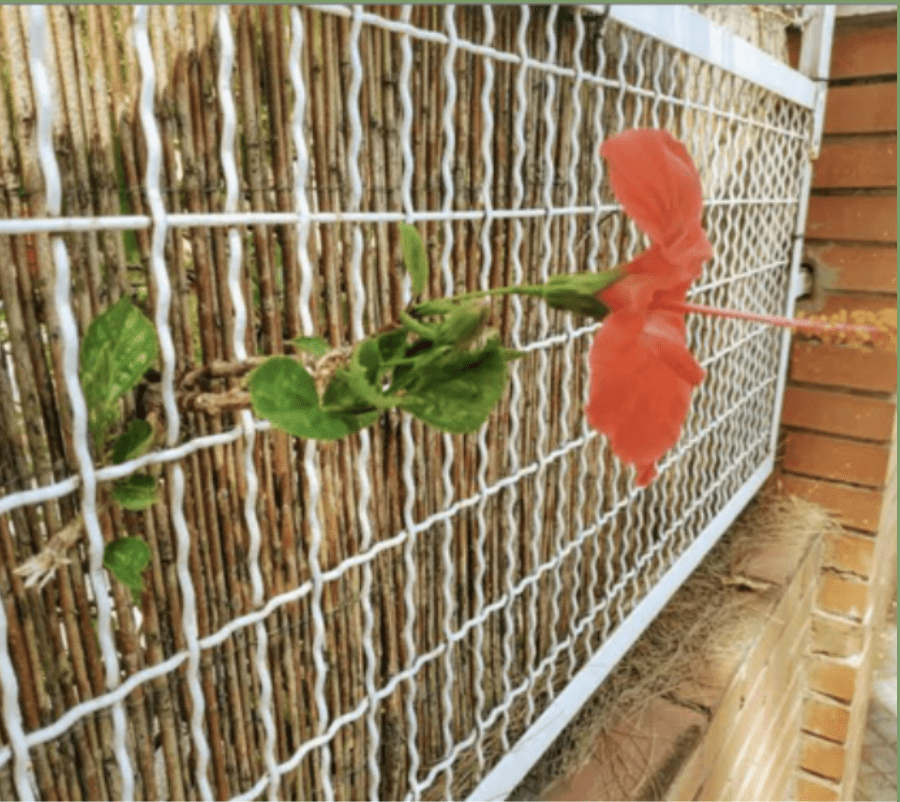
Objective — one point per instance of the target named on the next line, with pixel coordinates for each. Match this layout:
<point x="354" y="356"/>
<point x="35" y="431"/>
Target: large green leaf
<point x="126" y="559"/>
<point x="283" y="392"/>
<point x="118" y="347"/>
<point x="137" y="492"/>
<point x="414" y="257"/>
<point x="456" y="392"/>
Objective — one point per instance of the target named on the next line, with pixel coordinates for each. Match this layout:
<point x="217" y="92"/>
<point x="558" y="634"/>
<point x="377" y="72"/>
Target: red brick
<point x="845" y="597"/>
<point x="863" y="52"/>
<point x="839" y="307"/>
<point x="856" y="507"/>
<point x="772" y="562"/>
<point x="811" y="789"/>
<point x="822" y="757"/>
<point x="686" y="784"/>
<point x="721" y="745"/>
<point x="841" y="366"/>
<point x="850" y="553"/>
<point x="863" y="268"/>
<point x="856" y="164"/>
<point x="861" y="109"/>
<point x="720" y="771"/>
<point x="832" y="678"/>
<point x="773" y="745"/>
<point x="836" y="302"/>
<point x="826" y="719"/>
<point x="837" y="637"/>
<point x="777" y="784"/>
<point x="852" y="217"/>
<point x="836" y="458"/>
<point x="838" y="413"/>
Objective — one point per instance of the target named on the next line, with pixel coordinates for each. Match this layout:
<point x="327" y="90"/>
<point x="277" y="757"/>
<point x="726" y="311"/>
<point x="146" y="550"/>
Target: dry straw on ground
<point x="714" y="616"/>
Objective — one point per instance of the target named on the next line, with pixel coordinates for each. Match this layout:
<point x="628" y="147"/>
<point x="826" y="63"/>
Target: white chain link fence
<point x="405" y="614"/>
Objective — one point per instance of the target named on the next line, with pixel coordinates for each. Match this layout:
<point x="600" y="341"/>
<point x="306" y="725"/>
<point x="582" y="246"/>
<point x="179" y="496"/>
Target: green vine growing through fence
<point x="440" y="363"/>
<point x="118" y="348"/>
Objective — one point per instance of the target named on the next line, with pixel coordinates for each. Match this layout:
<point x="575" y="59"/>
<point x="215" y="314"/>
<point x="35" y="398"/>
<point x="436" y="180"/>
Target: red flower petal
<point x="649" y="277"/>
<point x="658" y="186"/>
<point x="642" y="375"/>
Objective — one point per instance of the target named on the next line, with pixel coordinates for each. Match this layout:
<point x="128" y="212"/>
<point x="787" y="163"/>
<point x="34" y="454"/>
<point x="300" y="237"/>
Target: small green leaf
<point x="414" y="257"/>
<point x="367" y="357"/>
<point x="137" y="492"/>
<point x="118" y="347"/>
<point x="126" y="559"/>
<point x="456" y="392"/>
<point x="133" y="442"/>
<point x="364" y="376"/>
<point x="312" y="345"/>
<point x="391" y="345"/>
<point x="342" y="403"/>
<point x="282" y="391"/>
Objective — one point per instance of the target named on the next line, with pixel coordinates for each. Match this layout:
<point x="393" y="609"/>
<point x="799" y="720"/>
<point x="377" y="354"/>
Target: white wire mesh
<point x="387" y="616"/>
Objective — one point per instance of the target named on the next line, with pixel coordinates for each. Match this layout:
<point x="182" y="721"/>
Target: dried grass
<point x="714" y="617"/>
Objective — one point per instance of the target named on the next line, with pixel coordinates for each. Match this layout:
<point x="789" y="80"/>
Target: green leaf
<point x="391" y="345"/>
<point x="133" y="442"/>
<point x="282" y="391"/>
<point x="345" y="405"/>
<point x="457" y="392"/>
<point x="137" y="492"/>
<point x="312" y="345"/>
<point x="126" y="559"/>
<point x="118" y="347"/>
<point x="364" y="377"/>
<point x="414" y="257"/>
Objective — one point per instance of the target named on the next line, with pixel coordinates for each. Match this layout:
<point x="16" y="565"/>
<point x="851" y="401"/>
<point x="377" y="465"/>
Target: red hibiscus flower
<point x="642" y="373"/>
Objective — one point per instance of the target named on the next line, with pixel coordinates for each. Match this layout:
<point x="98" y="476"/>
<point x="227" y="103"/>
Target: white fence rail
<point x="546" y="562"/>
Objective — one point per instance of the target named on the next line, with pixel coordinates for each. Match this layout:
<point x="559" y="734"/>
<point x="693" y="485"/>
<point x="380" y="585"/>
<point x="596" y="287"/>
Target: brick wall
<point x="731" y="729"/>
<point x="839" y="417"/>
<point x="751" y="749"/>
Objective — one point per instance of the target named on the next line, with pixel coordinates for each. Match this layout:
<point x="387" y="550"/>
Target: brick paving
<point x="877" y="778"/>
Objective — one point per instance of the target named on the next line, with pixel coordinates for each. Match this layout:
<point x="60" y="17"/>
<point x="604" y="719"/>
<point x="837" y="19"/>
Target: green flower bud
<point x="578" y="292"/>
<point x="464" y="323"/>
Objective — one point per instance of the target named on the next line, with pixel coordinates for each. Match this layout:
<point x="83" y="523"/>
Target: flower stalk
<point x="800" y="324"/>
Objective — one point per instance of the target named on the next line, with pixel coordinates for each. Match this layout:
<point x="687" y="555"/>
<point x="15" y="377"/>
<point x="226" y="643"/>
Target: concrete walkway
<point x="877" y="778"/>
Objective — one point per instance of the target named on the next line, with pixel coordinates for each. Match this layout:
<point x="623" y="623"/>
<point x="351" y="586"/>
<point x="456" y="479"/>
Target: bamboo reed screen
<point x="385" y="616"/>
